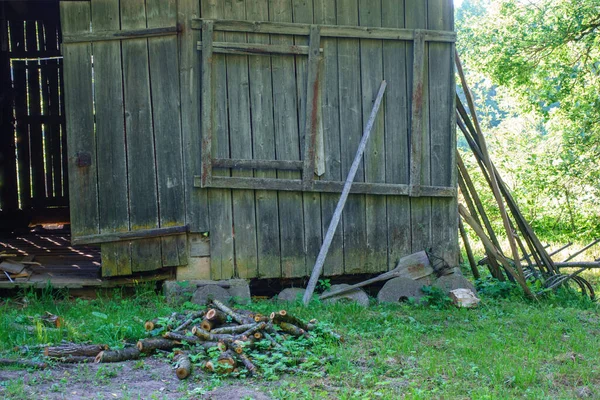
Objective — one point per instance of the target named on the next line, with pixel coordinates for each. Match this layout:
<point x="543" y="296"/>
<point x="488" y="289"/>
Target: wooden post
<point x="312" y="283"/>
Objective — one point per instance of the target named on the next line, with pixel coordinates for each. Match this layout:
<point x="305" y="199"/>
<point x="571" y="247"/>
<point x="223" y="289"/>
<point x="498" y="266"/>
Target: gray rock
<point x="291" y="294"/>
<point x="399" y="290"/>
<point x="178" y="292"/>
<point x="454" y="281"/>
<point x="357" y="295"/>
<point x="207" y="293"/>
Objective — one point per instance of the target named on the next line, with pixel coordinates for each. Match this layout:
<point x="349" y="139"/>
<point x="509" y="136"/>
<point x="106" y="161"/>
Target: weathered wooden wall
<point x="157" y="110"/>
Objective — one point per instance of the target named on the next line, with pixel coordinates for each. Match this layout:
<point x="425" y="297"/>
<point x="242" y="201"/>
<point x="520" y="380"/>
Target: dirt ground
<point x="150" y="378"/>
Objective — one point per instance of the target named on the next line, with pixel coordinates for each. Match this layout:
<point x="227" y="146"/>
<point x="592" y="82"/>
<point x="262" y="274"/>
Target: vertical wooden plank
<point x="75" y="18"/>
<point x="110" y="129"/>
<point x="308" y="80"/>
<point x="141" y="162"/>
<point x="285" y="111"/>
<point x="354" y="216"/>
<point x="371" y="66"/>
<point x="220" y="206"/>
<point x="263" y="142"/>
<point x="444" y="218"/>
<point x="38" y="181"/>
<point x="196" y="199"/>
<point x="416" y="18"/>
<point x="240" y="133"/>
<point x="396" y="133"/>
<point x="325" y="13"/>
<point x="164" y="85"/>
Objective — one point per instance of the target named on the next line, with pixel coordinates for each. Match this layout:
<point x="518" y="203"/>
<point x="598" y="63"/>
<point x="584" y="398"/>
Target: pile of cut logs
<point x="230" y="332"/>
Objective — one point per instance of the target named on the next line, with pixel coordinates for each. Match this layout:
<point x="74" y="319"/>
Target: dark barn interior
<point x="34" y="190"/>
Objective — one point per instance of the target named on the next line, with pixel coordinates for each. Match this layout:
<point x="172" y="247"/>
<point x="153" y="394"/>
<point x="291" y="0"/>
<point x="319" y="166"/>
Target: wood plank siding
<point x="240" y="119"/>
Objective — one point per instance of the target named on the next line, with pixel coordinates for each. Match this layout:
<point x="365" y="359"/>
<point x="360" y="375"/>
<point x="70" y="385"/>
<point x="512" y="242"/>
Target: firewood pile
<point x="219" y="339"/>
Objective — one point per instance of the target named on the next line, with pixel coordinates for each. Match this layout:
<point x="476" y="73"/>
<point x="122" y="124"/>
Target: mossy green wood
<point x="306" y="71"/>
<point x="164" y="87"/>
<point x="444" y="217"/>
<point x="263" y="142"/>
<point x="416" y="18"/>
<point x="287" y="147"/>
<point x="75" y="18"/>
<point x="371" y="65"/>
<point x="220" y="206"/>
<point x="240" y="141"/>
<point x="110" y="129"/>
<point x="397" y="122"/>
<point x="325" y="13"/>
<point x="350" y="108"/>
<point x="141" y="167"/>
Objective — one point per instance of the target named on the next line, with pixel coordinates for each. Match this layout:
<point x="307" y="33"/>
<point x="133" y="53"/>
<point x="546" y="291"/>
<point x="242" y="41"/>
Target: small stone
<point x="399" y="290"/>
<point x="291" y="294"/>
<point x="207" y="293"/>
<point x="357" y="295"/>
<point x="464" y="298"/>
<point x="454" y="281"/>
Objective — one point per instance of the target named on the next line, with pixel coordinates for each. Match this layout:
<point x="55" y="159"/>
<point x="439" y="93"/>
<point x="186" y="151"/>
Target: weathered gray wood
<point x="326" y="186"/>
<point x="75" y="18"/>
<point x="132" y="235"/>
<point x="207" y="102"/>
<point x="255" y="49"/>
<point x="371" y="66"/>
<point x="308" y="81"/>
<point x="350" y="108"/>
<point x="110" y="141"/>
<point x="416" y="18"/>
<point x="287" y="146"/>
<point x="318" y="268"/>
<point x="189" y="77"/>
<point x="396" y="133"/>
<point x="263" y="142"/>
<point x="258" y="163"/>
<point x="240" y="139"/>
<point x="113" y="33"/>
<point x="340" y="31"/>
<point x="444" y="216"/>
<point x="141" y="166"/>
<point x="220" y="206"/>
<point x="164" y="86"/>
<point x="417" y="115"/>
<point x="325" y="14"/>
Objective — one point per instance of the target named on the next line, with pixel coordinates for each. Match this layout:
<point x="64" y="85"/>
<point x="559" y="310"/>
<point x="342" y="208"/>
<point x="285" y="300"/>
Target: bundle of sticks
<point x="522" y="240"/>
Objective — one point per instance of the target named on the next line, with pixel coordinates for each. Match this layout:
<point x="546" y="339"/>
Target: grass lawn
<point x="507" y="348"/>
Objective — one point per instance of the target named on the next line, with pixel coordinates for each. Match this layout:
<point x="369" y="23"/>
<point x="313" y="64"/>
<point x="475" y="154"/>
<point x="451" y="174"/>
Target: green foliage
<point x="436" y="297"/>
<point x="494" y="288"/>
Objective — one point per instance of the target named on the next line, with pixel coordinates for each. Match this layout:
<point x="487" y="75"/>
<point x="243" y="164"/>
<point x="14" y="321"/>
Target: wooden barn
<point x="210" y="139"/>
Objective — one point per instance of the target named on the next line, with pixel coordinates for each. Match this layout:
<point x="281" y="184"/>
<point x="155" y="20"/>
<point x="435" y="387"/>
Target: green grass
<point x="507" y="348"/>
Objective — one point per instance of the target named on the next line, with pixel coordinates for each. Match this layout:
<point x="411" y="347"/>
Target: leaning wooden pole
<point x="318" y="268"/>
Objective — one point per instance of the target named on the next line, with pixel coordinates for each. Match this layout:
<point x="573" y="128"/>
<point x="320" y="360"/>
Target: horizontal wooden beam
<point x="296" y="185"/>
<point x="339" y="31"/>
<point x="257" y="164"/>
<point x="255" y="48"/>
<point x="122" y="34"/>
<point x="126" y="236"/>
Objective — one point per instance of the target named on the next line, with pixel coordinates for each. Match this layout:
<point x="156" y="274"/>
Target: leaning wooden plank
<point x="414" y="266"/>
<point x="75" y="18"/>
<point x="240" y="139"/>
<point x="256" y="49"/>
<point x="371" y="67"/>
<point x="420" y="207"/>
<point x="220" y="206"/>
<point x="141" y="164"/>
<point x="133" y="235"/>
<point x="263" y="141"/>
<point x="351" y="124"/>
<point x="287" y="147"/>
<point x="117" y="34"/>
<point x="164" y="87"/>
<point x="325" y="13"/>
<point x="308" y="82"/>
<point x="110" y="129"/>
<point x="444" y="217"/>
<point x="316" y="272"/>
<point x="196" y="200"/>
<point x="396" y="134"/>
<point x="258" y="163"/>
<point x="337" y="31"/>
